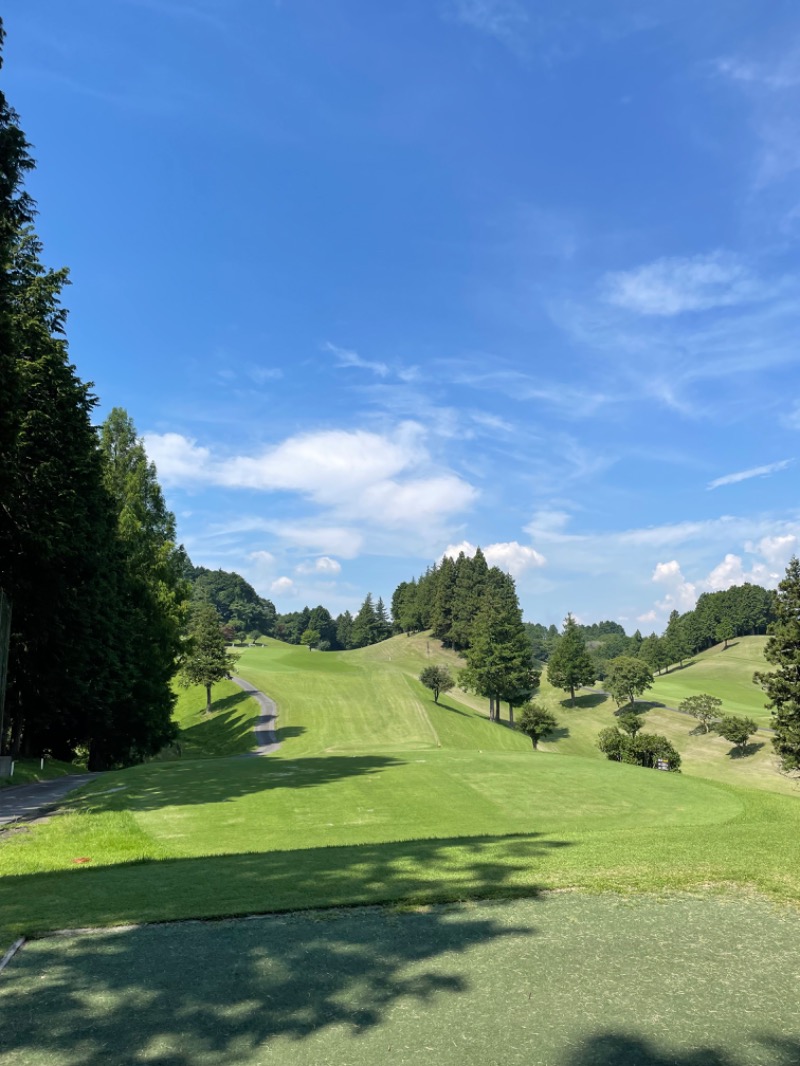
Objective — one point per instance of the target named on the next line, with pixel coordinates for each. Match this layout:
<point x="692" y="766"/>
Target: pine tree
<point x="468" y="592"/>
<point x="206" y="660"/>
<point x="383" y="627"/>
<point x="442" y="611"/>
<point x="365" y="625"/>
<point x="570" y="665"/>
<point x="499" y="662"/>
<point x="344" y="631"/>
<point x="156" y="596"/>
<point x="783" y="685"/>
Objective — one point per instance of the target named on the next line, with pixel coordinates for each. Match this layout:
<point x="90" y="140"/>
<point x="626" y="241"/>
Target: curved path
<point x="264" y="729"/>
<point x="20" y="802"/>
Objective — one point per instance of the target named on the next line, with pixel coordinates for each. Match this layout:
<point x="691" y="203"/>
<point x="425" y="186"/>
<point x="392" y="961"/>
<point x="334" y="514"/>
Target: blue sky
<point x="379" y="280"/>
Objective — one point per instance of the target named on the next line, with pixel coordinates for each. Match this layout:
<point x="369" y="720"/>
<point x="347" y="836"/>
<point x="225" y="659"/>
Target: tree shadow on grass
<point x="622" y="1049"/>
<point x="561" y="732"/>
<point x="191" y="781"/>
<point x="747" y="751"/>
<point x="455" y="710"/>
<point x="217" y="993"/>
<point x="587" y="701"/>
<point x="287" y="732"/>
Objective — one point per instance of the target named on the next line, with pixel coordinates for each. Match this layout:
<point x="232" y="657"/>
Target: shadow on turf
<point x="618" y="1049"/>
<point x="217" y="992"/>
<point x="219" y="780"/>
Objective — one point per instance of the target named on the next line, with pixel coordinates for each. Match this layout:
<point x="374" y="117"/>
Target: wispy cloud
<point x="745" y="475"/>
<point x="672" y="286"/>
<point x="346" y="357"/>
<point x="504" y="20"/>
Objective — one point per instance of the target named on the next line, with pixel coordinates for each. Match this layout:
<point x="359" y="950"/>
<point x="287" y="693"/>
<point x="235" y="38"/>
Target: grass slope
<point x="376" y="795"/>
<point x="29" y="771"/>
<point x="723" y="672"/>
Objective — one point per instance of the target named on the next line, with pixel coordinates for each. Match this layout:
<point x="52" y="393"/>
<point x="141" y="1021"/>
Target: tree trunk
<point x="534" y="742"/>
<point x="511" y="713"/>
<point x="572" y="694"/>
<point x="208" y="699"/>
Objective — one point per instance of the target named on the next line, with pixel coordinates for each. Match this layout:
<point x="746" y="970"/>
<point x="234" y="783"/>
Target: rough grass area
<point x="724" y="672"/>
<point x="558" y="980"/>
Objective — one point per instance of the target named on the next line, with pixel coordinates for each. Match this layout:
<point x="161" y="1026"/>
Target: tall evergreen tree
<point x="365" y="624"/>
<point x="442" y="610"/>
<point x="499" y="663"/>
<point x="570" y="664"/>
<point x="470" y="585"/>
<point x="782" y="686"/>
<point x="344" y="630"/>
<point x="383" y="627"/>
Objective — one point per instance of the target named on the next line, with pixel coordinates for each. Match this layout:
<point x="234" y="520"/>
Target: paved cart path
<point x="264" y="729"/>
<point x="20" y="802"/>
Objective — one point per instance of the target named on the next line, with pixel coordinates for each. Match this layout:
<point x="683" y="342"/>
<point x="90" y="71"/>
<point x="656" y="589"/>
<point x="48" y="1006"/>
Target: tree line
<point x="88" y="557"/>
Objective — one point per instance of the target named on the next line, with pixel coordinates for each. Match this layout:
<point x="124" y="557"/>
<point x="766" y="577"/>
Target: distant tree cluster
<point x="473" y="608"/>
<point x="245" y="615"/>
<point x="637" y="748"/>
<point x="370" y="625"/>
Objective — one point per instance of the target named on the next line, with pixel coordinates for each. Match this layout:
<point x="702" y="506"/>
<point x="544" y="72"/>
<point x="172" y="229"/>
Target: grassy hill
<point x="724" y="672"/>
<point x="379" y="794"/>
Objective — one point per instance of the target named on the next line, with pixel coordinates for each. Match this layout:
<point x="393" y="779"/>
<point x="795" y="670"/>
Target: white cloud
<point x="330" y="539"/>
<point x="777" y="550"/>
<point x="512" y="557"/>
<point x="283" y="586"/>
<point x="745" y="475"/>
<point x="178" y="459"/>
<point x="783" y="74"/>
<point x="386" y="480"/>
<point x="648" y="616"/>
<point x="681" y="595"/>
<point x="264" y="558"/>
<point x="323" y="565"/>
<point x="671" y="286"/>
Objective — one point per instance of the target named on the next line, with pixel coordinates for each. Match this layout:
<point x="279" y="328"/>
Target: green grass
<point x="29" y="771"/>
<point x="228" y="730"/>
<point x="377" y="794"/>
<point x="553" y="980"/>
<point x="367" y="700"/>
<point x="723" y="672"/>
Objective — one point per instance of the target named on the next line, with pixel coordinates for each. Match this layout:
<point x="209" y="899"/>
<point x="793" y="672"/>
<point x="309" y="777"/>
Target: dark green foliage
<point x="82" y="570"/>
<point x="234" y="599"/>
<point x="654" y="651"/>
<point x="344" y="631"/>
<point x="704" y="707"/>
<point x="570" y="666"/>
<point x="627" y="678"/>
<point x="310" y="638"/>
<point x="782" y="686"/>
<point x="631" y="723"/>
<point x="737" y="730"/>
<point x="366" y="628"/>
<point x="499" y="664"/>
<point x="438" y="679"/>
<point x="725" y="631"/>
<point x="206" y="660"/>
<point x="535" y="722"/>
<point x="639" y="749"/>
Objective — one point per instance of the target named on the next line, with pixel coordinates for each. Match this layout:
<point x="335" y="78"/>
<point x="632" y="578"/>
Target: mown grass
<point x="552" y="980"/>
<point x="723" y="672"/>
<point x="379" y="795"/>
<point x="228" y="730"/>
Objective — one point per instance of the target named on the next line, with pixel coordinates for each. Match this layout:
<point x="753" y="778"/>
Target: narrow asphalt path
<point x="20" y="802"/>
<point x="264" y="729"/>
